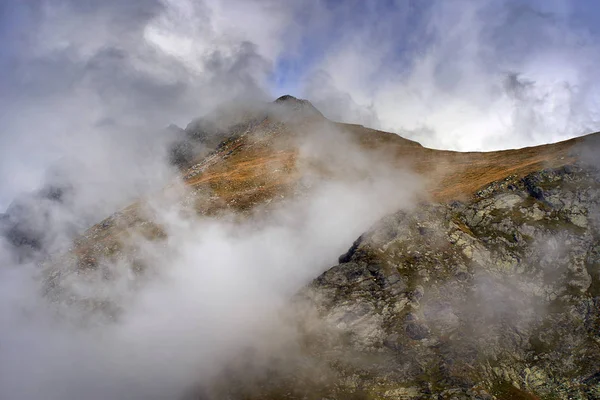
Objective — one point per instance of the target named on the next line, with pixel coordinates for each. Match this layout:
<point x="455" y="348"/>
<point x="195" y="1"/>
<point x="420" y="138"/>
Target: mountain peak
<point x="293" y="103"/>
<point x="288" y="98"/>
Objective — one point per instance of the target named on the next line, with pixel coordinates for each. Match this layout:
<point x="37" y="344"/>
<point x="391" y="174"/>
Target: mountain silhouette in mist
<point x="457" y="297"/>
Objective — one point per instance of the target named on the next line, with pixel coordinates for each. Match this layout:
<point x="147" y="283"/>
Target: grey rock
<point x="496" y="297"/>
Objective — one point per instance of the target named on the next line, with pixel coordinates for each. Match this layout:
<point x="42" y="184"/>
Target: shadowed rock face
<point x="496" y="296"/>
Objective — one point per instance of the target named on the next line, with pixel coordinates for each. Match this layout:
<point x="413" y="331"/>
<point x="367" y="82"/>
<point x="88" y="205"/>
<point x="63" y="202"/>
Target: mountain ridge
<point x="461" y="288"/>
<point x="259" y="164"/>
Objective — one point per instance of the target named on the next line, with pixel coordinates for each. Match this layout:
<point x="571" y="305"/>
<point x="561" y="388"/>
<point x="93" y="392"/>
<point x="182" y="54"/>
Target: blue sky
<point x="404" y="26"/>
<point x="76" y="76"/>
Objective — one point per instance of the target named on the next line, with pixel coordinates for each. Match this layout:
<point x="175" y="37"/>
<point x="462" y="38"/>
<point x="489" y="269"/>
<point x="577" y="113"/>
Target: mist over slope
<point x="166" y="297"/>
<point x="158" y="298"/>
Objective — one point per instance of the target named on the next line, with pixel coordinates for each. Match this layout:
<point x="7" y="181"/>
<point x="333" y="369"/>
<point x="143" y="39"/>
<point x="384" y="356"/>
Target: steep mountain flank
<point x="495" y="297"/>
<point x="498" y="295"/>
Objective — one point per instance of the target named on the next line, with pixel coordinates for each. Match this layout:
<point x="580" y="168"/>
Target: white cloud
<point x="452" y="92"/>
<point x="89" y="80"/>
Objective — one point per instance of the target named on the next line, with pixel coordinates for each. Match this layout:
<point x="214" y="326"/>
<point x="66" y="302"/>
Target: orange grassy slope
<point x="241" y="171"/>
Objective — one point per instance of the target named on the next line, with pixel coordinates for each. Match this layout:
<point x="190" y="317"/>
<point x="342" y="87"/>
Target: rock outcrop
<point x="495" y="297"/>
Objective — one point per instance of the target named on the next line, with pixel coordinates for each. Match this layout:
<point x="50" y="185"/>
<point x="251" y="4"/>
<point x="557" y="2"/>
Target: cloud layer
<point x="459" y="75"/>
<point x="466" y="75"/>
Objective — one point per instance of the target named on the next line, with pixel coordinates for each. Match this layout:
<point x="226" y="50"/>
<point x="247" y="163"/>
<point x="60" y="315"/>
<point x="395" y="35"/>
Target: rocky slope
<point x="496" y="296"/>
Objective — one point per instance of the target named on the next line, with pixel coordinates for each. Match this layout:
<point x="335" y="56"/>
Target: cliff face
<point x="496" y="296"/>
